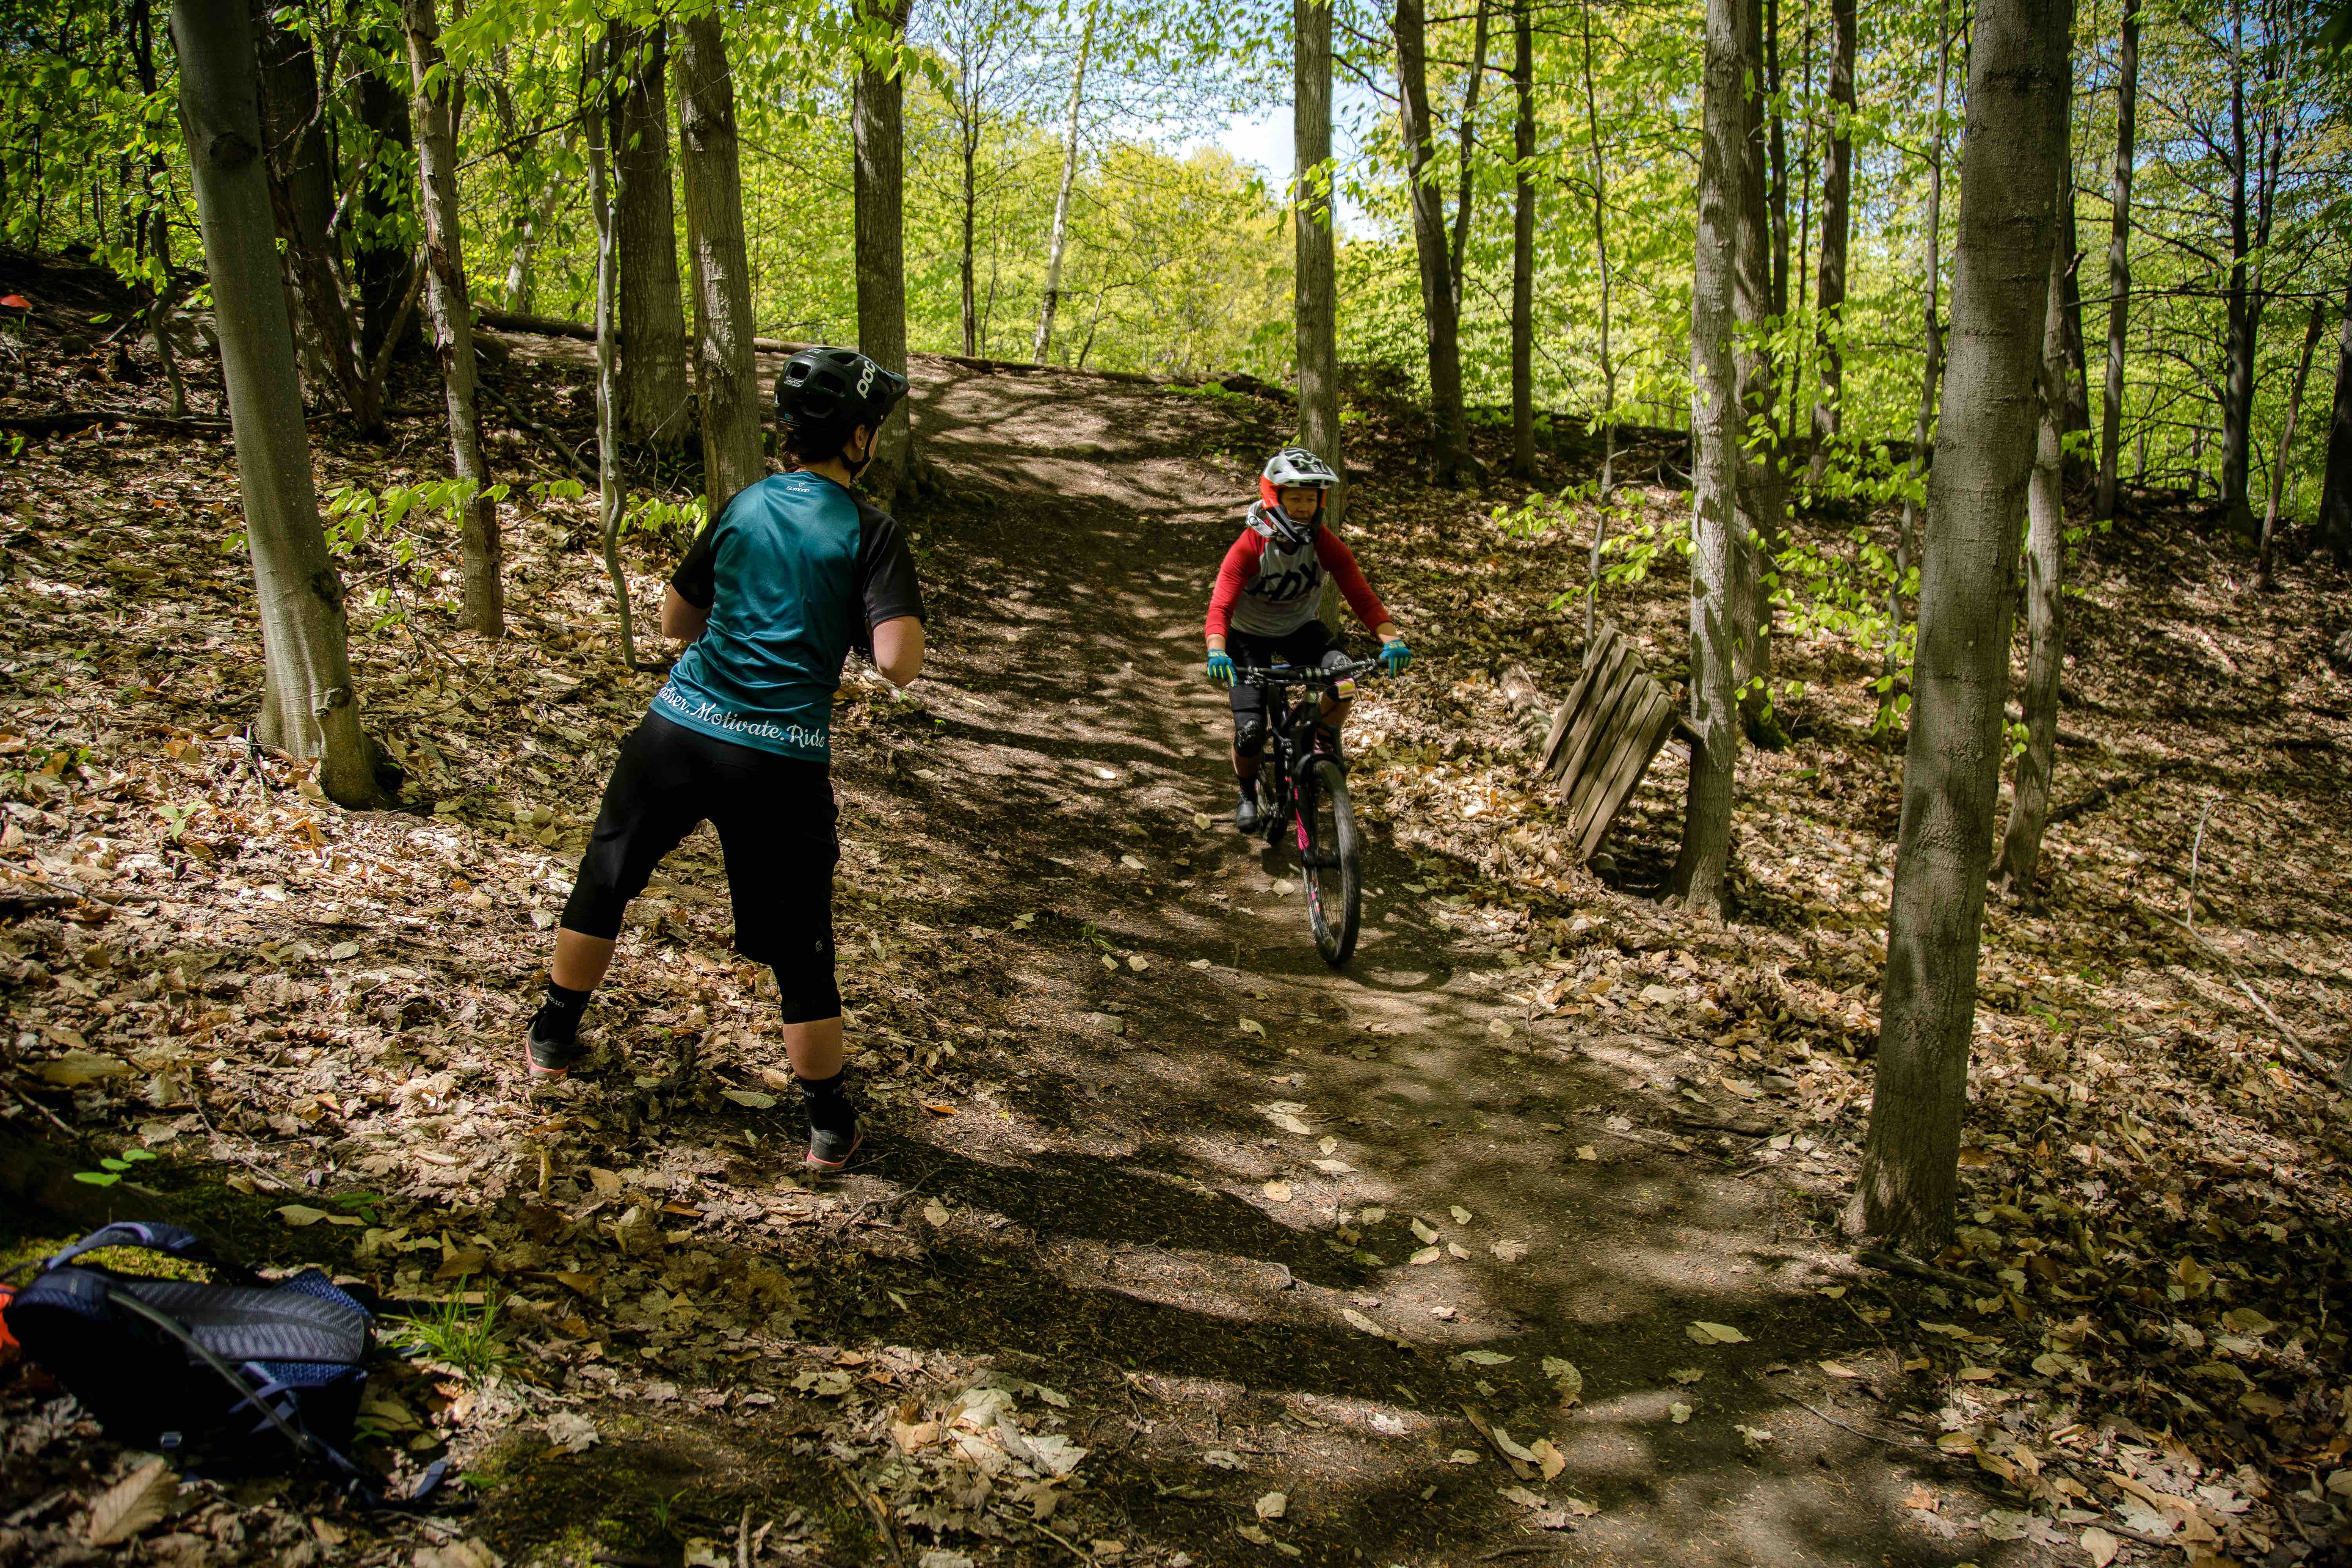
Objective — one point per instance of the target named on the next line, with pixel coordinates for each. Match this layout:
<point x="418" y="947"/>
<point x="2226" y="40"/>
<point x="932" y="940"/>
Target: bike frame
<point x="1290" y="727"/>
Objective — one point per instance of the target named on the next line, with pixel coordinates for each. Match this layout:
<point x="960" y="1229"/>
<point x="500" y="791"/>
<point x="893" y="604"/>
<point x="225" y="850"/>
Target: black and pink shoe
<point x="830" y="1150"/>
<point x="552" y="1050"/>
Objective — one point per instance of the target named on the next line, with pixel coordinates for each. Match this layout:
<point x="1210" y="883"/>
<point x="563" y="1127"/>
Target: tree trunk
<point x="653" y="318"/>
<point x="2078" y="375"/>
<point x="1468" y="144"/>
<point x="2244" y="303"/>
<point x="1054" y="248"/>
<point x="516" y="290"/>
<point x="1760" y="271"/>
<point x="1907" y="530"/>
<point x="2336" y="490"/>
<point x="727" y="379"/>
<point x="2045" y="505"/>
<point x="154" y="221"/>
<point x="877" y="126"/>
<point x="2268" y="576"/>
<point x="1523" y="243"/>
<point x="1701" y="867"/>
<point x="2011" y="156"/>
<point x="302" y="200"/>
<point x="2111" y="408"/>
<point x="308" y="706"/>
<point x="971" y="137"/>
<point x="1608" y="300"/>
<point x="1437" y="294"/>
<point x="435" y="113"/>
<point x="1315" y="309"/>
<point x="386" y="274"/>
<point x="601" y="112"/>
<point x="1837" y="223"/>
<point x="1776" y="152"/>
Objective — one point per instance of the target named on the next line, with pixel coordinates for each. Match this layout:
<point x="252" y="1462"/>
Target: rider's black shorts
<point x="1313" y="644"/>
<point x="775" y="818"/>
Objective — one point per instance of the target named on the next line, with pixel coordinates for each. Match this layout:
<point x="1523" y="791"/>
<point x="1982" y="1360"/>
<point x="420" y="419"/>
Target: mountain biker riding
<point x="794" y="573"/>
<point x="1263" y="610"/>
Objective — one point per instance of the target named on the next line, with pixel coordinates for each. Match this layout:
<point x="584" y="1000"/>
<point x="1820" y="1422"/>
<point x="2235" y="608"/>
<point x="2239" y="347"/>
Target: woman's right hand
<point x="1221" y="667"/>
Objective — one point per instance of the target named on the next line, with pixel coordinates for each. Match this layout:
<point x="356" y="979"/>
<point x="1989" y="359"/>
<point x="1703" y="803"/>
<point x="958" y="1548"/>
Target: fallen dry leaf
<point x="139" y="1500"/>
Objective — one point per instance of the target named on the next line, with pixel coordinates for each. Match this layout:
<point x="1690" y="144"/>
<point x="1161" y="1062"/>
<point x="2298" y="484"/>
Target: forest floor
<point x="1515" y="1241"/>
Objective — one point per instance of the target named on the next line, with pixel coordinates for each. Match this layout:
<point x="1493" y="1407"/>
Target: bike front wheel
<point x="1330" y="854"/>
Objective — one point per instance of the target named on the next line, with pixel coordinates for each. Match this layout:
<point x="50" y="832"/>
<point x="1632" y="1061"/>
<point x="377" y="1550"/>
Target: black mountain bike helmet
<point x="824" y="393"/>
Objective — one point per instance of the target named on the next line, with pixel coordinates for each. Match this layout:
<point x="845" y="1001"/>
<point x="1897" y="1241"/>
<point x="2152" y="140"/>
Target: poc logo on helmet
<point x="865" y="380"/>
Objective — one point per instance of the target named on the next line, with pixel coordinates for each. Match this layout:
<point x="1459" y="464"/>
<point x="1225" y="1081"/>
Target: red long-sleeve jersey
<point x="1269" y="589"/>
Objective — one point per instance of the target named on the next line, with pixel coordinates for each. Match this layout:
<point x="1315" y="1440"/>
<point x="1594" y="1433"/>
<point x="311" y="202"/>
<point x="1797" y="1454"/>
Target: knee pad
<point x="806" y="987"/>
<point x="1249" y="734"/>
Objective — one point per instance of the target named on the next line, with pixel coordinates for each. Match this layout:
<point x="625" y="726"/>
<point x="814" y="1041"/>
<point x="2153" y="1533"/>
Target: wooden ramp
<point x="1603" y="736"/>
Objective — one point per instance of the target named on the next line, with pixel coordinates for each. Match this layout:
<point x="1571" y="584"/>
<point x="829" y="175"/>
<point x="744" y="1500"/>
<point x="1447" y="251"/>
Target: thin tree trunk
<point x="1469" y="139"/>
<point x="1701" y="869"/>
<point x="1315" y="305"/>
<point x="435" y="116"/>
<point x="2011" y="156"/>
<point x="386" y="272"/>
<point x="2335" y="489"/>
<point x="1523" y="242"/>
<point x="2078" y="371"/>
<point x="1437" y="295"/>
<point x="602" y="107"/>
<point x="2268" y="578"/>
<point x="653" y="317"/>
<point x="1054" y="248"/>
<point x="1608" y="290"/>
<point x="1837" y="226"/>
<point x="308" y="706"/>
<point x="2244" y="299"/>
<point x="302" y="191"/>
<point x="2029" y="806"/>
<point x="155" y="224"/>
<point x="727" y="379"/>
<point x="970" y="137"/>
<point x="1759" y="272"/>
<point x="878" y="127"/>
<point x="1776" y="149"/>
<point x="516" y="290"/>
<point x="2111" y="408"/>
<point x="1907" y="530"/>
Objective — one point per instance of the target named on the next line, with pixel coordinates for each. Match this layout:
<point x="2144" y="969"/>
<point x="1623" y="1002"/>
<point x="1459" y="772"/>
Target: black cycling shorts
<point x="775" y="818"/>
<point x="1314" y="645"/>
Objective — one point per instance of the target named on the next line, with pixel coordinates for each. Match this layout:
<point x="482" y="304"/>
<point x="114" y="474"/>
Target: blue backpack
<point x="166" y="1363"/>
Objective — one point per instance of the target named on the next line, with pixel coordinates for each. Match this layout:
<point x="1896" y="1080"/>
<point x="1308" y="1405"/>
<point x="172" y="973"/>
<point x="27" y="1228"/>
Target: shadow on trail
<point x="1210" y="1215"/>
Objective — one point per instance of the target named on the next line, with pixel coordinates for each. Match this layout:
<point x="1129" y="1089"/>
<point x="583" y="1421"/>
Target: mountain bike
<point x="1302" y="784"/>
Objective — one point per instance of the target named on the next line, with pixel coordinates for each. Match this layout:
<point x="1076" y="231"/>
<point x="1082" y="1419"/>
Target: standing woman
<point x="795" y="571"/>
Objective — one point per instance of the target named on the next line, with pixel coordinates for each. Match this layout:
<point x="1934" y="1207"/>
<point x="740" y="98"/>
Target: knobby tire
<point x="1327" y="824"/>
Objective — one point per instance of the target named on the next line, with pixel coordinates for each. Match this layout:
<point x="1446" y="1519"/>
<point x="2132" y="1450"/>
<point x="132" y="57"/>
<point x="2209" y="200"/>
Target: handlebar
<point x="1279" y="676"/>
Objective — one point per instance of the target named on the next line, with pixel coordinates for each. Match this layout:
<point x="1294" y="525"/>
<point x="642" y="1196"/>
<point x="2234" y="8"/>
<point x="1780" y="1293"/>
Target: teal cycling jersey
<point x="795" y="571"/>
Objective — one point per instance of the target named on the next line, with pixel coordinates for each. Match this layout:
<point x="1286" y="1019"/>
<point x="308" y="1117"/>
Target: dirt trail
<point x="1088" y="1180"/>
<point x="1183" y="1232"/>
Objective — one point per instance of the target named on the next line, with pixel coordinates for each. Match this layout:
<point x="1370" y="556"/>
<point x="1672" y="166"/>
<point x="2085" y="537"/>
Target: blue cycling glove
<point x="1221" y="667"/>
<point x="1395" y="655"/>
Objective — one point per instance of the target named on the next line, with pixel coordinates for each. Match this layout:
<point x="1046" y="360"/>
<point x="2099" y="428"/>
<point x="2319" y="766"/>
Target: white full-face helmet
<point x="1293" y="468"/>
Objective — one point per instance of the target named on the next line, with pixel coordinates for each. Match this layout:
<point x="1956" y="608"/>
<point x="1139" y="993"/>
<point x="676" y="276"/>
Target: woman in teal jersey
<point x="791" y="574"/>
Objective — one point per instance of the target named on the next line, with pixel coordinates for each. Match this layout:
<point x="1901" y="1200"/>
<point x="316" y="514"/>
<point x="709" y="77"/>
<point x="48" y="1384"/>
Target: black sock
<point x="828" y="1100"/>
<point x="1249" y="787"/>
<point x="558" y="1018"/>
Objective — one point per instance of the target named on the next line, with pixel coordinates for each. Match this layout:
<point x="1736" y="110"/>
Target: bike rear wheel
<point x="1331" y="856"/>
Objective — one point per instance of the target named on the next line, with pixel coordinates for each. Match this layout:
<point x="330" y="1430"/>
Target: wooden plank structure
<point x="1603" y="736"/>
